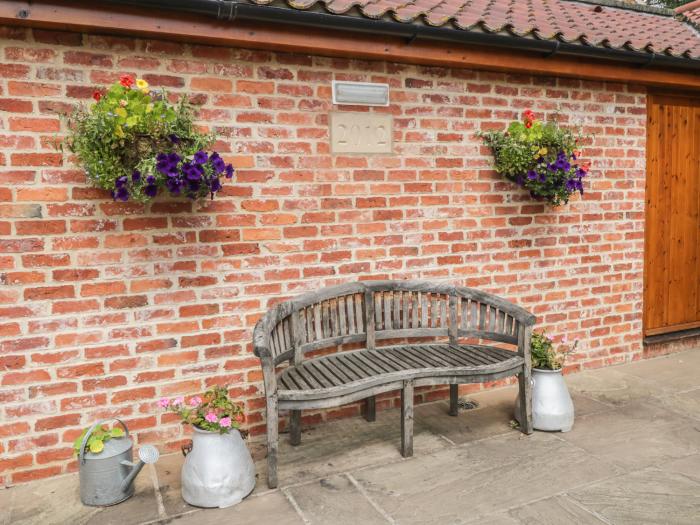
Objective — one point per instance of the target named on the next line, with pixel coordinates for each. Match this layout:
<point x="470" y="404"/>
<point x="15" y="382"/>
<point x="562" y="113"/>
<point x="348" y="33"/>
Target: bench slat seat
<point x="302" y="346"/>
<point x="348" y="372"/>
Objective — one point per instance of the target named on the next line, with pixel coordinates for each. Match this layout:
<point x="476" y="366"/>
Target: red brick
<point x="126" y="301"/>
<point x="51" y="423"/>
<point x="20" y="378"/>
<point x="16" y="462"/>
<point x="44" y="227"/>
<point x="134" y="394"/>
<point x="49" y="292"/>
<point x="111" y="288"/>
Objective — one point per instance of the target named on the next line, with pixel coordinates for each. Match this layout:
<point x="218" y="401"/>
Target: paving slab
<point x="612" y="386"/>
<point x="554" y="511"/>
<point x="57" y="501"/>
<point x="335" y="500"/>
<point x="492" y="417"/>
<point x="272" y="507"/>
<point x="348" y="444"/>
<point x="685" y="404"/>
<point x="668" y="373"/>
<point x="465" y="483"/>
<point x="636" y="435"/>
<point x="652" y="496"/>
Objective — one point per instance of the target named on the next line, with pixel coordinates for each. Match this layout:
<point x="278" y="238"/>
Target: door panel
<point x="672" y="235"/>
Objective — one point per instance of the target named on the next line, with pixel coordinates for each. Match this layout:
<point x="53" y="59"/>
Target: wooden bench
<point x="295" y="332"/>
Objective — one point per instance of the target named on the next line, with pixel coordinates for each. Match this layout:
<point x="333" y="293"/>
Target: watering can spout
<point x="147" y="454"/>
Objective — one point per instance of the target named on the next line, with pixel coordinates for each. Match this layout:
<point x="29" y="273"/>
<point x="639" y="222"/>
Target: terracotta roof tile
<point x="691" y="11"/>
<point x="605" y="23"/>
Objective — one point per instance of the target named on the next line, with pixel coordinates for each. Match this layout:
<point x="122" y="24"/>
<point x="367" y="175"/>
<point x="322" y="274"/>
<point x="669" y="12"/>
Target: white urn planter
<point x="218" y="471"/>
<point x="552" y="407"/>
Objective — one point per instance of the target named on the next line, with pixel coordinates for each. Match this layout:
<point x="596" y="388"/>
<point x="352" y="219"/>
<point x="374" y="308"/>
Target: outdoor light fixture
<point x="360" y="93"/>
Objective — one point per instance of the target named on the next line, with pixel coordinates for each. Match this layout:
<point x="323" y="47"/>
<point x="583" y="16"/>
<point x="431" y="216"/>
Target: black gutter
<point x="234" y="11"/>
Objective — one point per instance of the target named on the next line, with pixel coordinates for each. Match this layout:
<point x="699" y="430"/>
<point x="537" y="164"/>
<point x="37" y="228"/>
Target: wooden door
<point x="672" y="236"/>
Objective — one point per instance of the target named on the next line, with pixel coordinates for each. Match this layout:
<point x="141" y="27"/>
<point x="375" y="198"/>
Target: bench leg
<point x="407" y="419"/>
<point x="272" y="441"/>
<point x="525" y="387"/>
<point x="295" y="427"/>
<point x="454" y="400"/>
<point x="370" y="409"/>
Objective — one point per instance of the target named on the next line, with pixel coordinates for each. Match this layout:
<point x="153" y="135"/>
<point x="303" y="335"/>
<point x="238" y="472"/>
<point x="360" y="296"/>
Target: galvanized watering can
<point x="107" y="478"/>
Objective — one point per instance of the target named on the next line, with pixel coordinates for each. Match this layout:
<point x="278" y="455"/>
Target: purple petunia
<point x="217" y="163"/>
<point x="174" y="138"/>
<point x="229" y="171"/>
<point x="531" y="174"/>
<point x="121" y="194"/>
<point x="201" y="157"/>
<point x="136" y="176"/>
<point x="151" y="190"/>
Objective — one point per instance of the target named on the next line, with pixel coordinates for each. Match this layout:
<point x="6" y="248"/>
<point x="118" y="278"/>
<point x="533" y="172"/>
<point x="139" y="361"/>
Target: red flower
<point x="529" y="115"/>
<point x="97" y="96"/>
<point x="126" y="80"/>
<point x="528" y="124"/>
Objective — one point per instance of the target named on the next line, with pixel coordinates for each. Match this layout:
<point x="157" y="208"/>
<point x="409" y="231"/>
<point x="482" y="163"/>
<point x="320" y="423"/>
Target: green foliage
<point x="96" y="441"/>
<point x="214" y="411"/>
<point x="124" y="132"/>
<point x="540" y="157"/>
<point x="544" y="355"/>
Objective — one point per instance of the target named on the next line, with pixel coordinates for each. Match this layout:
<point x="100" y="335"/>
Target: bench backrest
<point x="374" y="310"/>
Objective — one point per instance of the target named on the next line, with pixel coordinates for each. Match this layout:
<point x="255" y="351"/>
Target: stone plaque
<point x="361" y="132"/>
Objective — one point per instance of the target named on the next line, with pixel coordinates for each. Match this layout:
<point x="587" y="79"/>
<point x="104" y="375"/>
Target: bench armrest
<point x="262" y="351"/>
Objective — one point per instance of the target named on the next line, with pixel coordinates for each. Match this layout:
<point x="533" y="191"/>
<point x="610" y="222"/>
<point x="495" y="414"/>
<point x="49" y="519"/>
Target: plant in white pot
<point x="552" y="407"/>
<point x="218" y="469"/>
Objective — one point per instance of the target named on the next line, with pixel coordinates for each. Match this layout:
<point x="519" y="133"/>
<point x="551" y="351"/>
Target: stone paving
<point x="633" y="457"/>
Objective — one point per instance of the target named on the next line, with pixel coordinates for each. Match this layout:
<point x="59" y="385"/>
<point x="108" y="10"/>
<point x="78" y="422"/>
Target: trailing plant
<point x="96" y="441"/>
<point x="213" y="411"/>
<point x="540" y="157"/>
<point x="133" y="142"/>
<point x="545" y="356"/>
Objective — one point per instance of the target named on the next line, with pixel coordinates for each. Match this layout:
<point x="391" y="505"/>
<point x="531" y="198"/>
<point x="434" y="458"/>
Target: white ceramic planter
<point x="552" y="407"/>
<point x="218" y="471"/>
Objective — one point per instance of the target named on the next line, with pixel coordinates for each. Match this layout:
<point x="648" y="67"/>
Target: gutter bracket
<point x="646" y="64"/>
<point x="412" y="38"/>
<point x="554" y="51"/>
<point x="227" y="10"/>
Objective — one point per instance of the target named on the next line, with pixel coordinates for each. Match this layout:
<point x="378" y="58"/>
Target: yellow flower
<point x="119" y="132"/>
<point x="149" y="108"/>
<point x="543" y="151"/>
<point x="121" y="112"/>
<point x="142" y="85"/>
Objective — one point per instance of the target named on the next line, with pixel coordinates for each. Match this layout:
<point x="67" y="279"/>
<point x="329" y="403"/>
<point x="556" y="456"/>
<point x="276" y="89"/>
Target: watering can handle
<point x="83" y="444"/>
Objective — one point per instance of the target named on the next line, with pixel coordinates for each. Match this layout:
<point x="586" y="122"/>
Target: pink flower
<point x="225" y="422"/>
<point x="178" y="401"/>
<point x="211" y="417"/>
<point x="163" y="403"/>
<point x="196" y="400"/>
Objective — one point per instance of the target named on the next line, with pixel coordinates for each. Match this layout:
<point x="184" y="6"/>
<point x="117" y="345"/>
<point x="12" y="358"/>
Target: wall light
<point x="360" y="93"/>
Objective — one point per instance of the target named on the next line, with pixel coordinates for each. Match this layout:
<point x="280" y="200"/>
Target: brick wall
<point x="105" y="307"/>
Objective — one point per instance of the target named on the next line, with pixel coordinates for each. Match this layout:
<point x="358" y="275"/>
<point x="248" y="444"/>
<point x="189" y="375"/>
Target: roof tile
<point x="601" y="24"/>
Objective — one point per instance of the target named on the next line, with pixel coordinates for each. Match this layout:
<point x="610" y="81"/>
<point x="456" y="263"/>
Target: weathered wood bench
<point x="293" y="332"/>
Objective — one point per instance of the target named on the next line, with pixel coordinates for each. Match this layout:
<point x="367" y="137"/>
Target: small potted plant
<point x="218" y="469"/>
<point x="105" y="464"/>
<point x="541" y="157"/>
<point x="552" y="407"/>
